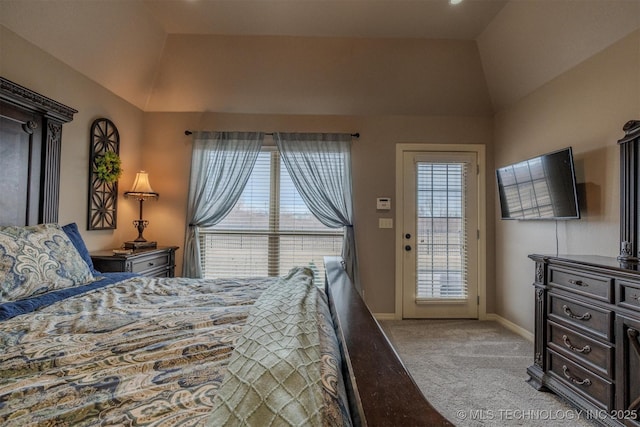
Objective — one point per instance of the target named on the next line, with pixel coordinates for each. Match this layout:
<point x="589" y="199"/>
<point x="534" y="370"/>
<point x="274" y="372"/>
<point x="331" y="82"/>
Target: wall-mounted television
<point x="543" y="187"/>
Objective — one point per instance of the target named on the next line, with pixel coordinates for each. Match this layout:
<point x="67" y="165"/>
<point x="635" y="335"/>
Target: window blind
<point x="441" y="231"/>
<point x="269" y="230"/>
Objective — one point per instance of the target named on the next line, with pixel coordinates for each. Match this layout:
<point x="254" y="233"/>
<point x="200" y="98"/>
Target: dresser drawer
<point x="594" y="388"/>
<point x="150" y="262"/>
<point x="628" y="295"/>
<point x="593" y="354"/>
<point x="591" y="285"/>
<point x="583" y="316"/>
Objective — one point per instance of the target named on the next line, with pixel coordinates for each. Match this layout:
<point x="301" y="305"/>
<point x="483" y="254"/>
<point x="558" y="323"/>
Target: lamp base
<point x="140" y="245"/>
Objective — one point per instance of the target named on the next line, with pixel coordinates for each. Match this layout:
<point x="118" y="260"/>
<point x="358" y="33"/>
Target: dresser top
<point x="598" y="261"/>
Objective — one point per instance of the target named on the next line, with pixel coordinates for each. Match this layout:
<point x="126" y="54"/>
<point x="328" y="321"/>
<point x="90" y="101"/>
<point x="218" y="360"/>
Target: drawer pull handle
<point x="586" y="349"/>
<point x="151" y="264"/>
<point x="574" y="380"/>
<point x="577" y="282"/>
<point x="568" y="312"/>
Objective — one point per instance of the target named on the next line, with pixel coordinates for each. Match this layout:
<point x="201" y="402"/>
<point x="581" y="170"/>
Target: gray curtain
<point x="221" y="163"/>
<point x="320" y="167"/>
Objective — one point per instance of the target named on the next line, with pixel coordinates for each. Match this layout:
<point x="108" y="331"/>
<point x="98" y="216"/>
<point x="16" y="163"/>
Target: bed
<point x="81" y="347"/>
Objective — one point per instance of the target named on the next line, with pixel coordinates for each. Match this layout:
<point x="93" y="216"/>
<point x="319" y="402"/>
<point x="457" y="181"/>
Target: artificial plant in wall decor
<point x="104" y="170"/>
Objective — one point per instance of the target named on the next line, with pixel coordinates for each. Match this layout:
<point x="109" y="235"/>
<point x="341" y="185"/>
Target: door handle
<point x="407" y="236"/>
<point x="407" y="248"/>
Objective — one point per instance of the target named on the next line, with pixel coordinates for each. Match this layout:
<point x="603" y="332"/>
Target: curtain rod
<point x="355" y="135"/>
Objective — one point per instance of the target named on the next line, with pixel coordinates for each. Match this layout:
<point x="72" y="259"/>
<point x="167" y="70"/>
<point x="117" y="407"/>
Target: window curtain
<point x="221" y="163"/>
<point x="320" y="167"/>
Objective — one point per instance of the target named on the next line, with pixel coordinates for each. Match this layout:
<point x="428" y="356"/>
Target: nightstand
<point x="154" y="262"/>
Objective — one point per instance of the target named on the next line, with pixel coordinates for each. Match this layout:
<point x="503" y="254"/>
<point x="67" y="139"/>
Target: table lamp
<point x="141" y="191"/>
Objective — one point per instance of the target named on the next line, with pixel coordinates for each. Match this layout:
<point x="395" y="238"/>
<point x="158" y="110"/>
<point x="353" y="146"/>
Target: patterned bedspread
<point x="144" y="351"/>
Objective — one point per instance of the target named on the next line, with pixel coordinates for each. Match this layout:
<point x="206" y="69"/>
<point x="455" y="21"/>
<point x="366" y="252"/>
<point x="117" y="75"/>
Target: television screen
<point x="540" y="188"/>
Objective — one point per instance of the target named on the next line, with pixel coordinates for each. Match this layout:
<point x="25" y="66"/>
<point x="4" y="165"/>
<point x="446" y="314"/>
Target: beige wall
<point x="585" y="108"/>
<point x="167" y="158"/>
<point x="29" y="66"/>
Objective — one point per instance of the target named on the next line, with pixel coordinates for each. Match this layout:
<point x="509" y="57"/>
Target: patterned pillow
<point x="38" y="259"/>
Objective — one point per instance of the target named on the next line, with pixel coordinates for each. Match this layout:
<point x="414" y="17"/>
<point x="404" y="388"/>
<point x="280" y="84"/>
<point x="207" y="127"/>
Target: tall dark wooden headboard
<point x="30" y="148"/>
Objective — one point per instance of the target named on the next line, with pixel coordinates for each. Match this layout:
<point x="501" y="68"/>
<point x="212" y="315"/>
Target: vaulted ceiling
<point x="348" y="56"/>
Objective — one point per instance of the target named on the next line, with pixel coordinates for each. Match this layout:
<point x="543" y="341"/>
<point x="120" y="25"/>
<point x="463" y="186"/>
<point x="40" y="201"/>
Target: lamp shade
<point x="141" y="187"/>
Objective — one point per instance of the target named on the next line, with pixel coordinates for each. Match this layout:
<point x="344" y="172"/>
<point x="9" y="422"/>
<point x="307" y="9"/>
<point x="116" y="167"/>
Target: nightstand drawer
<point x="589" y="352"/>
<point x="150" y="262"/>
<point x="591" y="285"/>
<point x="163" y="271"/>
<point x="585" y="317"/>
<point x="588" y="384"/>
<point x="156" y="262"/>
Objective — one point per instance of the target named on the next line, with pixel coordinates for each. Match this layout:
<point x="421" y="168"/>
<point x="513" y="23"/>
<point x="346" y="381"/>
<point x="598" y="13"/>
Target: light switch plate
<point x="385" y="222"/>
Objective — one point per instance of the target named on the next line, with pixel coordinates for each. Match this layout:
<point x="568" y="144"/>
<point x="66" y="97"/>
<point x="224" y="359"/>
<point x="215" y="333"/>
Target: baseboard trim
<point x="489" y="316"/>
<point x="511" y="326"/>
<point x="384" y="316"/>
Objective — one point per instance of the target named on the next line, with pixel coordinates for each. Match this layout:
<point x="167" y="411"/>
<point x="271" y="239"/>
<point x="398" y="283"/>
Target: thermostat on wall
<point x="383" y="203"/>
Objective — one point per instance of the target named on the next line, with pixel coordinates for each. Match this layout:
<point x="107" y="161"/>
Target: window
<point x="269" y="230"/>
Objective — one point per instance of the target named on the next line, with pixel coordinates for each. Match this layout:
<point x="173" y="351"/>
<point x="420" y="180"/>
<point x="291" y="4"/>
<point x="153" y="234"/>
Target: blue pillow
<point x="71" y="230"/>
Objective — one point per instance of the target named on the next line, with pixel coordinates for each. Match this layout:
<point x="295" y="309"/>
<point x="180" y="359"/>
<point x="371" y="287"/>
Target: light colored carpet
<point x="474" y="373"/>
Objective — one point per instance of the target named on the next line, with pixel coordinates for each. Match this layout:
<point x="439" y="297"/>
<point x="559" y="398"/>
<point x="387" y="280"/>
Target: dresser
<point x="587" y="343"/>
<point x="156" y="262"/>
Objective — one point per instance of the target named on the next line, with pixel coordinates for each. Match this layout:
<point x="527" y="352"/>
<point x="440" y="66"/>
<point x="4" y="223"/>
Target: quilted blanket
<point x="274" y="378"/>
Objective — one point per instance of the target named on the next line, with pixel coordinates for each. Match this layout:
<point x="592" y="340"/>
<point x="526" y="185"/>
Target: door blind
<point x="442" y="234"/>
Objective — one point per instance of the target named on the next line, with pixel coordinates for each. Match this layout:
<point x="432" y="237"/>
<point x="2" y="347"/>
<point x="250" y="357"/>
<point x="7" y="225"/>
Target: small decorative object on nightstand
<point x="141" y="191"/>
<point x="152" y="262"/>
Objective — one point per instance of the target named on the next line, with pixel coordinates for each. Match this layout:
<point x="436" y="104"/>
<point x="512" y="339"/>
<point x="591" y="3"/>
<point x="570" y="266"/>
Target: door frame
<point x="479" y="149"/>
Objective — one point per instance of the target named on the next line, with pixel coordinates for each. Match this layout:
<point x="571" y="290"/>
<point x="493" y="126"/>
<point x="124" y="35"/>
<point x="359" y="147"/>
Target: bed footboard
<point x="381" y="391"/>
